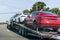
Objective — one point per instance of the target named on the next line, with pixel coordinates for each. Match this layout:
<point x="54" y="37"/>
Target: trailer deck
<point x="40" y="34"/>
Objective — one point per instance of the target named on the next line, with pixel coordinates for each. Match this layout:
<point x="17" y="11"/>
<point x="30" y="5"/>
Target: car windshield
<point x="26" y="13"/>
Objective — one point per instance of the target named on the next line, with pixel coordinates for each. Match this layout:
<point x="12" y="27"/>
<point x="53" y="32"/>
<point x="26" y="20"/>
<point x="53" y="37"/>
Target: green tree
<point x="58" y="13"/>
<point x="55" y="10"/>
<point x="38" y="6"/>
<point x="46" y="9"/>
<point x="16" y="15"/>
<point x="26" y="11"/>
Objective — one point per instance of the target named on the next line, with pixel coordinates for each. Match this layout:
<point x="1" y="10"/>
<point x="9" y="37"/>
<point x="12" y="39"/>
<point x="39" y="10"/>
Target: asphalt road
<point x="6" y="34"/>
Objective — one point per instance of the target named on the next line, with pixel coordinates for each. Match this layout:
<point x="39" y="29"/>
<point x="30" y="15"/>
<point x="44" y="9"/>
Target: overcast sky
<point x="20" y="5"/>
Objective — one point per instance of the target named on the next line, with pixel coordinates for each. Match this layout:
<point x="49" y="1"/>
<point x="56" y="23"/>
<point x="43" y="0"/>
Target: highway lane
<point x="6" y="34"/>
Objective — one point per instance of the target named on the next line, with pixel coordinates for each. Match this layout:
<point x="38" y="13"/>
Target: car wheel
<point x="35" y="25"/>
<point x="8" y="26"/>
<point x="19" y="20"/>
<point x="25" y="23"/>
<point x="11" y="23"/>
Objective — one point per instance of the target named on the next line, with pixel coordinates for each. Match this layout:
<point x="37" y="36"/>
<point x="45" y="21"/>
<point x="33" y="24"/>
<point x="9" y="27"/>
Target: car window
<point x="34" y="14"/>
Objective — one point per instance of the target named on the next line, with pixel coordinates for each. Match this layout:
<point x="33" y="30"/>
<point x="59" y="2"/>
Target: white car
<point x="12" y="19"/>
<point x="55" y="37"/>
<point x="20" y="18"/>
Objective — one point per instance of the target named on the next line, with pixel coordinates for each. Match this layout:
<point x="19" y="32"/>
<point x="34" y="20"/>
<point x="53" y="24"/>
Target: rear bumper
<point x="50" y="25"/>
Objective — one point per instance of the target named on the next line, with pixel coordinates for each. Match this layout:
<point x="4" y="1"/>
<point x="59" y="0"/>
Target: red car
<point x="43" y="19"/>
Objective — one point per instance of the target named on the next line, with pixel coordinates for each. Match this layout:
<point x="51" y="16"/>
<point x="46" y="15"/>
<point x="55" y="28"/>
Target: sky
<point x="7" y="6"/>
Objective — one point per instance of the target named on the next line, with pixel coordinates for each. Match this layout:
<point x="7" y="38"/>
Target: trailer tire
<point x="25" y="32"/>
<point x="12" y="23"/>
<point x="20" y="31"/>
<point x="8" y="26"/>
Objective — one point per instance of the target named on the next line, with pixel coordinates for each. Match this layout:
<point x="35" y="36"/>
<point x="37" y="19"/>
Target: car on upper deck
<point x="20" y="18"/>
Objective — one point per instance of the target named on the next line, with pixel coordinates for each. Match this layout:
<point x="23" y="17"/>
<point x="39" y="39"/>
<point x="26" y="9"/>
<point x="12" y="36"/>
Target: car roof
<point x="42" y="11"/>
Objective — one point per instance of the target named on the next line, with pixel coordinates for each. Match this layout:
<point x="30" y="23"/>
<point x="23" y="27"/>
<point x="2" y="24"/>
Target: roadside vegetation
<point x="38" y="6"/>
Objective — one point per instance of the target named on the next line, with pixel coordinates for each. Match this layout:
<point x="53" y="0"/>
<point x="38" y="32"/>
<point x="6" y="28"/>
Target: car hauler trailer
<point x="25" y="31"/>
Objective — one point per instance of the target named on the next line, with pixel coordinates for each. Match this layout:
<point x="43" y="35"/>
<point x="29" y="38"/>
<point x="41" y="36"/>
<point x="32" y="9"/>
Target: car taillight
<point x="44" y="17"/>
<point x="50" y="17"/>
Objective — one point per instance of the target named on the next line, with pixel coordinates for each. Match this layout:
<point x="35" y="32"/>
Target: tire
<point x="19" y="20"/>
<point x="20" y="30"/>
<point x="8" y="26"/>
<point x="11" y="23"/>
<point x="35" y="25"/>
<point x="23" y="32"/>
<point x="25" y="23"/>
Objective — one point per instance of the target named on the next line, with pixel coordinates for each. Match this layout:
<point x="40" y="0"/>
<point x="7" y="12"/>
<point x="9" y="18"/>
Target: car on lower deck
<point x="44" y="19"/>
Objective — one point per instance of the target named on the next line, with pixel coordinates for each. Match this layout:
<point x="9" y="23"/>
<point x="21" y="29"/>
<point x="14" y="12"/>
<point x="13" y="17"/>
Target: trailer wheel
<point x="12" y="23"/>
<point x="24" y="32"/>
<point x="8" y="26"/>
<point x="20" y="30"/>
